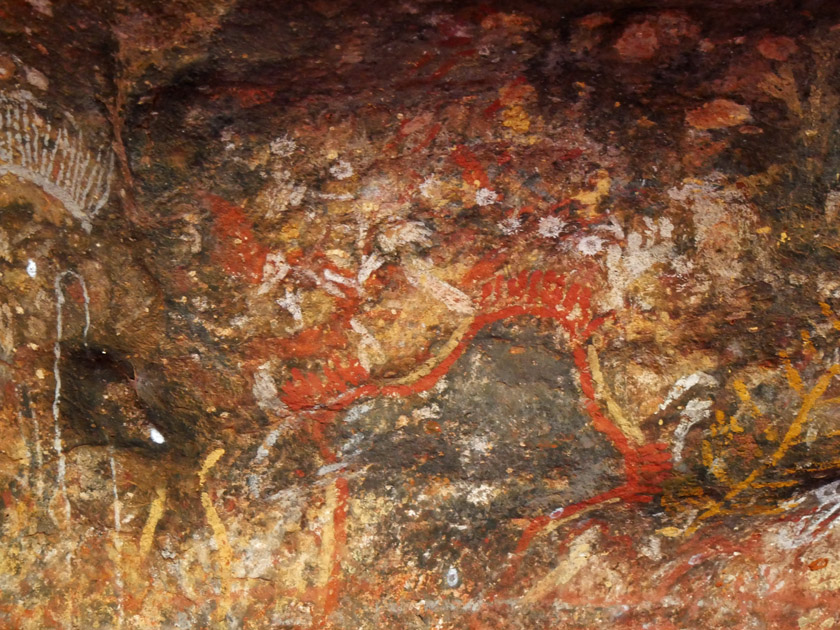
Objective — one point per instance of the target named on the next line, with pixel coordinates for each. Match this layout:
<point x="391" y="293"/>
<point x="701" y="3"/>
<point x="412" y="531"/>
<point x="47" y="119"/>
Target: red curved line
<point x="439" y="371"/>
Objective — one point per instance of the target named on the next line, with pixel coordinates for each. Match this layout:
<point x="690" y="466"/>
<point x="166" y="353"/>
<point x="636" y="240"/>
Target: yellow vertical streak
<point x="209" y="462"/>
<point x="628" y="428"/>
<point x="224" y="551"/>
<point x="325" y="556"/>
<point x="806" y="340"/>
<point x="155" y="514"/>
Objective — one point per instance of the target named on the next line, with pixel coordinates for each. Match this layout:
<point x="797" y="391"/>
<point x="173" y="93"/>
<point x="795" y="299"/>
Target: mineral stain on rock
<point x="419" y="314"/>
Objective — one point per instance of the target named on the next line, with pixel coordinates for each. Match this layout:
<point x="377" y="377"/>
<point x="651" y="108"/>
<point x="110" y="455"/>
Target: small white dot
<point x="156" y="436"/>
<point x="31" y="268"/>
<point x="452" y="577"/>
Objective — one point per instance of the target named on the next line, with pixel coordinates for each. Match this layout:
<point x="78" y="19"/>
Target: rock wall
<point x="418" y="314"/>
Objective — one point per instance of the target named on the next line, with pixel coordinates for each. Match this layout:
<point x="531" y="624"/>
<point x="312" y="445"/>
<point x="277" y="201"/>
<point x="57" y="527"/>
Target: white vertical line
<point x="118" y="579"/>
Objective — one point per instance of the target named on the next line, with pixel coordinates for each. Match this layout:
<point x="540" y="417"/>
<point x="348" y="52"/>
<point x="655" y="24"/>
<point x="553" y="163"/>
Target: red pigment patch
<point x="75" y="293"/>
<point x="484" y="268"/>
<point x="237" y="250"/>
<point x="471" y="168"/>
<point x="816" y="565"/>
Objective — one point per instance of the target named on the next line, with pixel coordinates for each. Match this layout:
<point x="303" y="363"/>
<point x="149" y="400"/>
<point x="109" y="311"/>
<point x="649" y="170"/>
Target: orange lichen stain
<point x="819" y="563"/>
<point x="516" y="119"/>
<point x="511" y="98"/>
<point x="432" y="427"/>
<point x="775" y="484"/>
<point x="718" y="114"/>
<point x="807" y="343"/>
<point x="713" y="464"/>
<point x="515" y="23"/>
<point x="776" y="48"/>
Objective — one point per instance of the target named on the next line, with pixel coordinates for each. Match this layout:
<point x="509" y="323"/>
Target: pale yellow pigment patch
<point x="580" y="552"/>
<point x="562" y="521"/>
<point x="825" y="579"/>
<point x="601" y="190"/>
<point x="669" y="532"/>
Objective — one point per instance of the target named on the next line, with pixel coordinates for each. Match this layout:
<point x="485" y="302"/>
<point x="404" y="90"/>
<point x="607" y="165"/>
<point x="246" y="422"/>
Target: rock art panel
<point x="419" y="314"/>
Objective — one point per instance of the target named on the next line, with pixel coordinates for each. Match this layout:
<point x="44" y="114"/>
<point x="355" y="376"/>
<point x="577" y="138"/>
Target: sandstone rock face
<point x="418" y="314"/>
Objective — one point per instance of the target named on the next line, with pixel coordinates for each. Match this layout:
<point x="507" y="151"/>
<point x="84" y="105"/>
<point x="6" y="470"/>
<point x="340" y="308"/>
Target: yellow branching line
<point x="793" y="376"/>
<point x="713" y="464"/>
<point x="744" y="395"/>
<point x="829" y="315"/>
<point x="774" y="484"/>
<point x="794" y="431"/>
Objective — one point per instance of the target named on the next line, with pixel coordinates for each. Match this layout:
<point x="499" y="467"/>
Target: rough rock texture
<point x="406" y="314"/>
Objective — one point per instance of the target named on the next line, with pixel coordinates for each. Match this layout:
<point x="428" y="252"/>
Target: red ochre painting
<point x="419" y="314"/>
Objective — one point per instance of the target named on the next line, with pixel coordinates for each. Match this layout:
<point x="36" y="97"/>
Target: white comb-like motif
<point x="54" y="158"/>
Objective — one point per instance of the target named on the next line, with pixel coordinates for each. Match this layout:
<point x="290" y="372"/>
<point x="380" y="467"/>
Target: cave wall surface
<point x="416" y="314"/>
